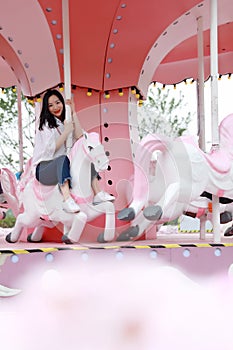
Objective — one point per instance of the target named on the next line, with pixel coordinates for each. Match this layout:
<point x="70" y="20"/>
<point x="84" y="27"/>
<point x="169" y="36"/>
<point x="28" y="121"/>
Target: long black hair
<point x="45" y="115"/>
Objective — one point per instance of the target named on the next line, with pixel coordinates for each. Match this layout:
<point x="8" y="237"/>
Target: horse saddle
<point x="219" y="161"/>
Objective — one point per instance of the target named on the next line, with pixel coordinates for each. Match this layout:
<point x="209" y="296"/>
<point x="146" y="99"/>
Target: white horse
<point x="181" y="173"/>
<point x="42" y="205"/>
<point x="9" y="188"/>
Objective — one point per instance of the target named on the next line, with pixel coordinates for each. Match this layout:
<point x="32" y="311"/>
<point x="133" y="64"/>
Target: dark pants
<point x="53" y="172"/>
<point x="57" y="171"/>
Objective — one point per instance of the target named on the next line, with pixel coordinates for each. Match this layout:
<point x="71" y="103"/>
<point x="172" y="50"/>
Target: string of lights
<point x="107" y="94"/>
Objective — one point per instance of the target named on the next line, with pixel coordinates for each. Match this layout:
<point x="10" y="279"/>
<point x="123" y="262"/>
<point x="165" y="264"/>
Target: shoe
<point x="103" y="197"/>
<point x="70" y="206"/>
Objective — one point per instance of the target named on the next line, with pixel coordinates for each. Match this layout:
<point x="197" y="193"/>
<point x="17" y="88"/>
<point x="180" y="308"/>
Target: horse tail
<point x="225" y="134"/>
<point x="9" y="188"/>
<point x="26" y="175"/>
<point x="155" y="142"/>
<point x="142" y="165"/>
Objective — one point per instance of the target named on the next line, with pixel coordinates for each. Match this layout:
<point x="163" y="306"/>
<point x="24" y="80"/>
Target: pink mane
<point x="226" y="134"/>
<point x="93" y="139"/>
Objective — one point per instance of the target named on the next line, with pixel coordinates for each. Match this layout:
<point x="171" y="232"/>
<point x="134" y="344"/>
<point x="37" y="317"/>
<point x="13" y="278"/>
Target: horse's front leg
<point x="141" y="194"/>
<point x="138" y="226"/>
<point x="76" y="222"/>
<point x="166" y="204"/>
<point x="109" y="230"/>
<point x="129" y="214"/>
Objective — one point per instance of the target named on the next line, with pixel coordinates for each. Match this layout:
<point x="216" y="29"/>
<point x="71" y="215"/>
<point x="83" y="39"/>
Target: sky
<point x="225" y="103"/>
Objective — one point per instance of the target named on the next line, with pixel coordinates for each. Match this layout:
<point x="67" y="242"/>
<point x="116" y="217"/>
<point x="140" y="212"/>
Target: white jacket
<point x="45" y="144"/>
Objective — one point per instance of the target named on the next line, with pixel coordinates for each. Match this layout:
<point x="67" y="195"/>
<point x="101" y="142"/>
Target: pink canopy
<point x="114" y="44"/>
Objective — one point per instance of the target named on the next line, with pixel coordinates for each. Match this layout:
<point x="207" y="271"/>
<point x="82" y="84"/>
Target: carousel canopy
<point x="114" y="44"/>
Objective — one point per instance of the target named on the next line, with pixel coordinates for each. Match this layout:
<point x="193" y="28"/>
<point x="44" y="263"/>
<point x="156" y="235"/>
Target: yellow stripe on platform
<point x="141" y="246"/>
<point x="77" y="248"/>
<point x="114" y="247"/>
<point x="172" y="245"/>
<point x="228" y="244"/>
<point x="202" y="245"/>
<point x="20" y="251"/>
<point x="49" y="249"/>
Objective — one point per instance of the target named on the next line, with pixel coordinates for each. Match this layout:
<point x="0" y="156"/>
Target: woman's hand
<point x="68" y="127"/>
<point x="77" y="127"/>
<point x="71" y="104"/>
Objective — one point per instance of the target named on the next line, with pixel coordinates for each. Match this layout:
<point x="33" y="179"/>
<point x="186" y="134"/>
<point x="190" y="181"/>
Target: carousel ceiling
<point x="114" y="44"/>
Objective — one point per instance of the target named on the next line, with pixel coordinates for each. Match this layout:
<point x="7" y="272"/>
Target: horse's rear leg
<point x="36" y="235"/>
<point x="23" y="221"/>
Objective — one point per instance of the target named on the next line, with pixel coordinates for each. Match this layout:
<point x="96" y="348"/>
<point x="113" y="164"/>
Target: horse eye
<point x="90" y="148"/>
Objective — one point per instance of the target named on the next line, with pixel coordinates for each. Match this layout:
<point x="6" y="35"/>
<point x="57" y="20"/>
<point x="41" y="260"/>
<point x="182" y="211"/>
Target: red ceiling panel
<point x="110" y="41"/>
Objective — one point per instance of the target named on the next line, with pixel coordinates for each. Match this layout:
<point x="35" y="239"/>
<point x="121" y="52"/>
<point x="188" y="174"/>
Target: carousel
<point x="105" y="55"/>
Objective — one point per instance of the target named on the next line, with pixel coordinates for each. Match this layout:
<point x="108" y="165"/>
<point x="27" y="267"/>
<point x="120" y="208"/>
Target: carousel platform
<point x="186" y="251"/>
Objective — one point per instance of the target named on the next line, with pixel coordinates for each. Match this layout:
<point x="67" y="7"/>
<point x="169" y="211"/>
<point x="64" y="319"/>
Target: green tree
<point x="163" y="114"/>
<point x="9" y="141"/>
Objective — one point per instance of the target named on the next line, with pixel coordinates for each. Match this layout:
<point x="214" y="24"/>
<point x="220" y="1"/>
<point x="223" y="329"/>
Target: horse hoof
<point x="128" y="234"/>
<point x="126" y="214"/>
<point x="153" y="212"/>
<point x="66" y="240"/>
<point x="101" y="239"/>
<point x="3" y="215"/>
<point x="8" y="238"/>
<point x="229" y="232"/>
<point x="29" y="239"/>
<point x="225" y="217"/>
